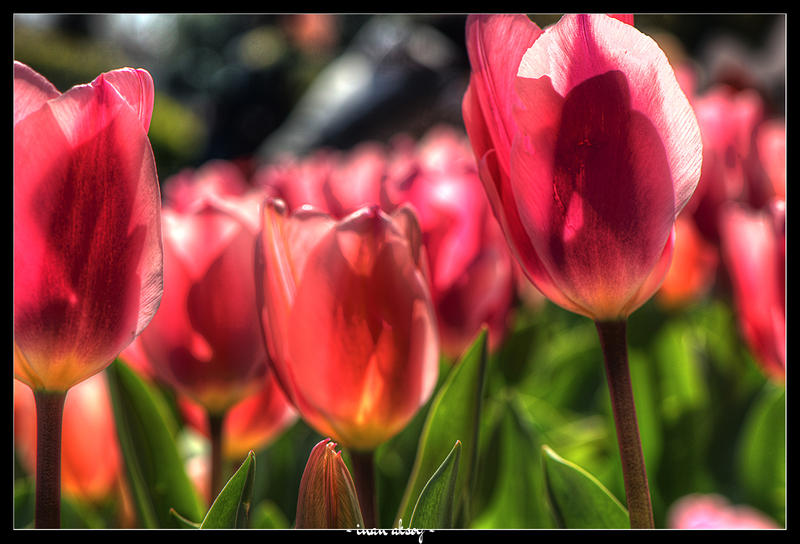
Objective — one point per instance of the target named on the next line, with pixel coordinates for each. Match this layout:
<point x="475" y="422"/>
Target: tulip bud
<point x="327" y="498"/>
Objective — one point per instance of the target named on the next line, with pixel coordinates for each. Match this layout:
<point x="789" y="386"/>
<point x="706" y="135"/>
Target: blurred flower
<point x="771" y="149"/>
<point x="587" y="154"/>
<point x="87" y="227"/>
<point x="713" y="511"/>
<point x="327" y="498"/>
<point x="693" y="268"/>
<point x="471" y="269"/>
<point x="205" y="340"/>
<point x="754" y="251"/>
<point x="312" y="32"/>
<point x="348" y="320"/>
<point x="91" y="463"/>
<point x="251" y="424"/>
<point x="728" y="119"/>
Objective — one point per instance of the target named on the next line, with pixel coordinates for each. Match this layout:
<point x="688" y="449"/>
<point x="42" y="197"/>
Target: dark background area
<point x="248" y="87"/>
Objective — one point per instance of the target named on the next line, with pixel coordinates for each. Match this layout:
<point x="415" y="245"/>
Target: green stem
<point x="215" y="424"/>
<point x="364" y="478"/>
<point x="615" y="354"/>
<point x="49" y="414"/>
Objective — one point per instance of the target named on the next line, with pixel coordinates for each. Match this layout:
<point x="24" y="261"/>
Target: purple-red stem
<point x="364" y="477"/>
<point x="615" y="354"/>
<point x="49" y="414"/>
<point x="215" y="423"/>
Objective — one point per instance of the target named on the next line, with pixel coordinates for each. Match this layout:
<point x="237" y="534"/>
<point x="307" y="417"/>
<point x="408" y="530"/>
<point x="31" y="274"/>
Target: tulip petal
<point x="31" y="91"/>
<point x="136" y="87"/>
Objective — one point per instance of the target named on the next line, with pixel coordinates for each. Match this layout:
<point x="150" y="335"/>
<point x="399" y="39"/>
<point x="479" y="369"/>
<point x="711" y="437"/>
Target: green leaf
<point x="578" y="499"/>
<point x="232" y="506"/>
<point x="155" y="470"/>
<point x="454" y="415"/>
<point x="762" y="452"/>
<point x="434" y="508"/>
<point x="518" y="498"/>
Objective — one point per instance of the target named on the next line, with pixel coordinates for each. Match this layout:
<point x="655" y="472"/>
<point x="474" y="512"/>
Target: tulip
<point x="588" y="150"/>
<point x="205" y="341"/>
<point x="87" y="240"/>
<point x="713" y="511"/>
<point x="754" y="251"/>
<point x="728" y="119"/>
<point x="327" y="498"/>
<point x="471" y="270"/>
<point x="348" y="321"/>
<point x="693" y="268"/>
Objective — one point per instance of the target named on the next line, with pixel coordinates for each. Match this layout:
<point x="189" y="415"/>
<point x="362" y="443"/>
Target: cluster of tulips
<point x="353" y="289"/>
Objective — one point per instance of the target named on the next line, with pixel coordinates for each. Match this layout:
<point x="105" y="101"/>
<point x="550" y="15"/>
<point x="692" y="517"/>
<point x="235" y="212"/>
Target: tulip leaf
<point x="434" y="508"/>
<point x="454" y="415"/>
<point x="155" y="470"/>
<point x="578" y="499"/>
<point x="518" y="498"/>
<point x="232" y="506"/>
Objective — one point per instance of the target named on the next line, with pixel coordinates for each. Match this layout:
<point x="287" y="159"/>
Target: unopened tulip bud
<point x="327" y="498"/>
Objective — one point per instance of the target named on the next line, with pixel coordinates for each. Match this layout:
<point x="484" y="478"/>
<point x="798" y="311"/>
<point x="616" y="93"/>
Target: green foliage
<point x="154" y="468"/>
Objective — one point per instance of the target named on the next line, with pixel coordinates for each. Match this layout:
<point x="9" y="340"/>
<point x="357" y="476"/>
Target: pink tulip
<point x="252" y="424"/>
<point x="771" y="149"/>
<point x="728" y="119"/>
<point x="588" y="150"/>
<point x="754" y="251"/>
<point x="347" y="317"/>
<point x="205" y="340"/>
<point x="693" y="268"/>
<point x="713" y="511"/>
<point x="87" y="227"/>
<point x="471" y="269"/>
<point x="91" y="463"/>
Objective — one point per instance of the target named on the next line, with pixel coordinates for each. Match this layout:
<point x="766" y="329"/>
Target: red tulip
<point x="251" y="424"/>
<point x="715" y="512"/>
<point x="91" y="463"/>
<point x="205" y="341"/>
<point x="754" y="250"/>
<point x="693" y="268"/>
<point x="347" y="317"/>
<point x="87" y="230"/>
<point x="327" y="498"/>
<point x="588" y="150"/>
<point x="471" y="269"/>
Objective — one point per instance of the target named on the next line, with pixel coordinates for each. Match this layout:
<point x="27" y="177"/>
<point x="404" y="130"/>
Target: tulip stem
<point x="364" y="476"/>
<point x="49" y="415"/>
<point x="215" y="422"/>
<point x="615" y="354"/>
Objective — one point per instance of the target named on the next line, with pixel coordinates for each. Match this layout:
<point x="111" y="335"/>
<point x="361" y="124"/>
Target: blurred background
<point x="251" y="88"/>
<point x="248" y="87"/>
